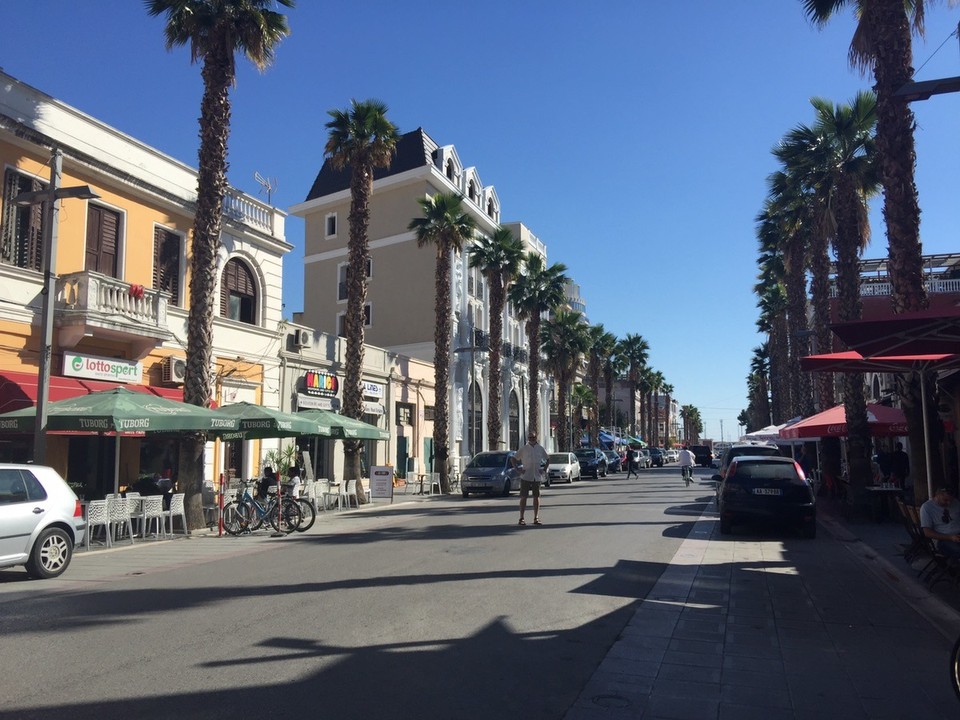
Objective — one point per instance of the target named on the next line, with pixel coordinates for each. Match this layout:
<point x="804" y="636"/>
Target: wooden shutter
<point x="166" y="263"/>
<point x="103" y="237"/>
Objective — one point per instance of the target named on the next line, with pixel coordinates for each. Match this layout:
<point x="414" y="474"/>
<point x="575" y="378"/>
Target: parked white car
<point x="41" y="520"/>
<point x="563" y="467"/>
<point x="673" y="455"/>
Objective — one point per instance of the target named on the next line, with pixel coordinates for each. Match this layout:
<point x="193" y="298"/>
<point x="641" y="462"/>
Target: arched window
<point x="514" y="412"/>
<point x="450" y="170"/>
<point x="490" y="209"/>
<point x="238" y="293"/>
<point x="471" y="190"/>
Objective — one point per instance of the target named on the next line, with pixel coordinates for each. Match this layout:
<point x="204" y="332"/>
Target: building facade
<point x="122" y="286"/>
<point x="400" y="293"/>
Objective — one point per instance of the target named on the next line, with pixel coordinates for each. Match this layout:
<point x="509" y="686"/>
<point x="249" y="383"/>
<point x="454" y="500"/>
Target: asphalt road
<point x="437" y="609"/>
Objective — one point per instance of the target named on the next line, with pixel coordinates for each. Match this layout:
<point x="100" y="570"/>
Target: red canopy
<point x="884" y="422"/>
<point x="925" y="332"/>
<point x="852" y="361"/>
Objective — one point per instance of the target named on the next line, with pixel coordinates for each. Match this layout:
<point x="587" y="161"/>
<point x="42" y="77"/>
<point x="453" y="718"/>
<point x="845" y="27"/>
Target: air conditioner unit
<point x="301" y="338"/>
<point x="173" y="370"/>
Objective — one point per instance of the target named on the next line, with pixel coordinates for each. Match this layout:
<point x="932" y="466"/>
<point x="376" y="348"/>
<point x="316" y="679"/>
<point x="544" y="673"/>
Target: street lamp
<point x="50" y="200"/>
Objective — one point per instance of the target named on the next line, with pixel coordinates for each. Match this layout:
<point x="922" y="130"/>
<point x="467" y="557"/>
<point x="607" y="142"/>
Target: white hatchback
<point x="562" y="467"/>
<point x="41" y="520"/>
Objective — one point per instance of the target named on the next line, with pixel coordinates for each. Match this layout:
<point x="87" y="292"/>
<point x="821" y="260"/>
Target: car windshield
<point x="559" y="459"/>
<point x="488" y="460"/>
<point x="585" y="454"/>
<point x="610" y="454"/>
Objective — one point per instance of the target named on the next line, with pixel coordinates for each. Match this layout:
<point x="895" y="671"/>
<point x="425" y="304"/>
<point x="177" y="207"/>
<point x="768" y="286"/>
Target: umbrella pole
<point x="926" y="438"/>
<point x="116" y="464"/>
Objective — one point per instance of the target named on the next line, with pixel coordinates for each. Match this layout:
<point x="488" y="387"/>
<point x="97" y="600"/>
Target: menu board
<point x="381" y="482"/>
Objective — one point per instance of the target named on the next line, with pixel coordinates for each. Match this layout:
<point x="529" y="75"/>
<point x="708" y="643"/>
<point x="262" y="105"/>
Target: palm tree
<point x="448" y="228"/>
<point x="692" y="424"/>
<point x="498" y="258"/>
<point x="582" y="397"/>
<point x="656" y="383"/>
<point x="537" y="290"/>
<point x="759" y="394"/>
<point x="362" y="139"/>
<point x="882" y="41"/>
<point x="614" y="367"/>
<point x="564" y="339"/>
<point x="635" y="350"/>
<point x="668" y="397"/>
<point x="772" y="303"/>
<point x="215" y="30"/>
<point x="602" y="345"/>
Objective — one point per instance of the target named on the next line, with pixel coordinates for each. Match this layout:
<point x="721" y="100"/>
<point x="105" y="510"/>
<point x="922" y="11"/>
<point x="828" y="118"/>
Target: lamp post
<point x="50" y="201"/>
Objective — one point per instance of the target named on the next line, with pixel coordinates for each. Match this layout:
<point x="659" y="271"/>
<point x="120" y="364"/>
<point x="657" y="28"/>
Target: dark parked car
<point x="703" y="455"/>
<point x="592" y="462"/>
<point x="768" y="489"/>
<point x="614" y="462"/>
<point x="656" y="457"/>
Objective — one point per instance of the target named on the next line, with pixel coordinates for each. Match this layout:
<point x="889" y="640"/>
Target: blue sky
<point x="633" y="140"/>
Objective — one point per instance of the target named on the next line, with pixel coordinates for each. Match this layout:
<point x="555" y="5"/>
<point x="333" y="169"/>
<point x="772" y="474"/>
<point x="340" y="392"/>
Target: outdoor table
<point x="881" y="495"/>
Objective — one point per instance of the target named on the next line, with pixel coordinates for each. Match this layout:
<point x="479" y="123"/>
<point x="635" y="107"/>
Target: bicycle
<point x="246" y="514"/>
<point x="686" y="471"/>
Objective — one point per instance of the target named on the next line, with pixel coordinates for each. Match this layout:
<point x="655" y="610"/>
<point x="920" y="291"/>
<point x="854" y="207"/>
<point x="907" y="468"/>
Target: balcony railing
<point x="507" y="350"/>
<point x="247" y="210"/>
<point x="879" y="289"/>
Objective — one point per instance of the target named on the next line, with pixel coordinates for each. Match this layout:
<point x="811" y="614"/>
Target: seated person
<point x="293" y="479"/>
<point x="268" y="479"/>
<point x="940" y="520"/>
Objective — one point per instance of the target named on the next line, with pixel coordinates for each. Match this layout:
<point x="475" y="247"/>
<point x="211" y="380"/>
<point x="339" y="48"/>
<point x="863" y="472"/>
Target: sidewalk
<point x="763" y="626"/>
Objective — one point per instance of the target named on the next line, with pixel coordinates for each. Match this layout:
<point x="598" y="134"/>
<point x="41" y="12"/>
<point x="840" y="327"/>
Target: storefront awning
<point x="19" y="389"/>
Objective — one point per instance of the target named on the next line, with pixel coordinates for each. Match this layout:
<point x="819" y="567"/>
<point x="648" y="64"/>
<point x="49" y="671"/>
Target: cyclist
<point x="687" y="461"/>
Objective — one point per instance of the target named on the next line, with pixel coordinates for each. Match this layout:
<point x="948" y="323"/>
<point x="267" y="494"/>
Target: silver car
<point x="41" y="520"/>
<point x="490" y="472"/>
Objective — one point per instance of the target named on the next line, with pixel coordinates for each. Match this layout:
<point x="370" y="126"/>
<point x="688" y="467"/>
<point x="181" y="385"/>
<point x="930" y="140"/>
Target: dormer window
<point x="472" y="190"/>
<point x="491" y="211"/>
<point x="450" y="173"/>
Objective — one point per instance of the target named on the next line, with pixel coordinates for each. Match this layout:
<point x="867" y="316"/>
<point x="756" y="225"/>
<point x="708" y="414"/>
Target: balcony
<point x="520" y="355"/>
<point x="92" y="304"/>
<point x="480" y="339"/>
<point x="507" y="350"/>
<point x="244" y="209"/>
<point x="879" y="289"/>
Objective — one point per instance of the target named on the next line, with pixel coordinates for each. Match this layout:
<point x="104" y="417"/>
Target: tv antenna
<point x="268" y="185"/>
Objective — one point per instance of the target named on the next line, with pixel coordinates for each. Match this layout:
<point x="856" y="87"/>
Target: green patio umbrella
<point x="256" y="421"/>
<point x="118" y="411"/>
<point x="344" y="428"/>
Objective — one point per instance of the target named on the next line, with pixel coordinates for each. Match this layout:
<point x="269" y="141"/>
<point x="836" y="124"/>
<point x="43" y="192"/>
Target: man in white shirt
<point x="533" y="458"/>
<point x="688" y="461"/>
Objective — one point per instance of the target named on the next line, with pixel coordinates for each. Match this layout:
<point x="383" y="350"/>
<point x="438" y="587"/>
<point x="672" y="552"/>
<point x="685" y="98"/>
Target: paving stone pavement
<point x="762" y="626"/>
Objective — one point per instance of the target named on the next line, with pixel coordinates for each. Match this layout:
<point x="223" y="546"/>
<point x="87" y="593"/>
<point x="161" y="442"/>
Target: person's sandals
<point x="536" y="521"/>
<point x="523" y="522"/>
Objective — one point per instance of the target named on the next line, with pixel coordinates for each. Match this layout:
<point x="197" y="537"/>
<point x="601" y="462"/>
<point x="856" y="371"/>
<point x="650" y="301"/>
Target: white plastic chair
<point x="135" y="510"/>
<point x="331" y="494"/>
<point x="176" y="509"/>
<point x="434" y="480"/>
<point x="98" y="515"/>
<point x="351" y="492"/>
<point x="119" y="518"/>
<point x="153" y="514"/>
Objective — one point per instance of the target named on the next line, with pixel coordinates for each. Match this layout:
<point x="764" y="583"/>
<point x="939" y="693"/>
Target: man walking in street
<point x="532" y="458"/>
<point x="632" y="464"/>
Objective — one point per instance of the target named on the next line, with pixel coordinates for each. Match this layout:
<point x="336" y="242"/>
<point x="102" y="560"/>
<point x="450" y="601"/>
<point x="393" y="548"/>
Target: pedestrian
<point x="632" y="464"/>
<point x="532" y="458"/>
<point x="688" y="461"/>
<point x="900" y="466"/>
<point x="294" y="481"/>
<point x="803" y="460"/>
<point x="940" y="520"/>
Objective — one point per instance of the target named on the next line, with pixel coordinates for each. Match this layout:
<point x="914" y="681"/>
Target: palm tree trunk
<point x="593" y="429"/>
<point x="779" y="368"/>
<point x="820" y="298"/>
<point x="533" y="340"/>
<point x="441" y="434"/>
<point x="494" y="422"/>
<point x="563" y="442"/>
<point x="801" y="397"/>
<point x="211" y="186"/>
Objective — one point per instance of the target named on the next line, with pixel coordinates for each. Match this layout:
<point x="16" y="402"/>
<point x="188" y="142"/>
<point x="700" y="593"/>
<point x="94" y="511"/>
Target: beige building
<point x="400" y="295"/>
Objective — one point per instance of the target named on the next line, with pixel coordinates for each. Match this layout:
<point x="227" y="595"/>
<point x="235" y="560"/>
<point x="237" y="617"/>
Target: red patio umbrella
<point x="884" y="422"/>
<point x="925" y="332"/>
<point x="853" y="361"/>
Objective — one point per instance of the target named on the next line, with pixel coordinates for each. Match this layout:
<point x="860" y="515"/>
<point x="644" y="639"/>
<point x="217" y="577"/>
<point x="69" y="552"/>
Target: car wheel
<point x="465" y="493"/>
<point x="50" y="555"/>
<point x="726" y="526"/>
<point x="506" y="487"/>
<point x="570" y="478"/>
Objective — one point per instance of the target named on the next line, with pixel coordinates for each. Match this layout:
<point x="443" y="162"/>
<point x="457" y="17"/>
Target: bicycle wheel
<point x="286" y="516"/>
<point x="955" y="668"/>
<point x="309" y="515"/>
<point x="234" y="519"/>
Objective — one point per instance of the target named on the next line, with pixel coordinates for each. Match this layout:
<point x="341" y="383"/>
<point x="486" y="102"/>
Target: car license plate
<point x="766" y="491"/>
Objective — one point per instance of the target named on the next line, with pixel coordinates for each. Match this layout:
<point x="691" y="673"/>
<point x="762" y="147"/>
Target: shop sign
<point x="101" y="368"/>
<point x="320" y="383"/>
<point x="372" y="408"/>
<point x="381" y="482"/>
<point x="309" y="402"/>
<point x="372" y="389"/>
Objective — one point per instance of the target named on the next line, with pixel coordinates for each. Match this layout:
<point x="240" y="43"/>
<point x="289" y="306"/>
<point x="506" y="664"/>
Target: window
<point x="342" y="320"/>
<point x="491" y="211"/>
<point x="330" y="226"/>
<point x="166" y="263"/>
<point x="428" y="412"/>
<point x="21" y="235"/>
<point x="450" y="173"/>
<point x="472" y="191"/>
<point x="404" y="413"/>
<point x="103" y="240"/>
<point x="342" y="291"/>
<point x="238" y="293"/>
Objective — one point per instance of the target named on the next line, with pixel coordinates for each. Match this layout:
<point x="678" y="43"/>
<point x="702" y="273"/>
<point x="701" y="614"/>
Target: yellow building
<point x="122" y="288"/>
